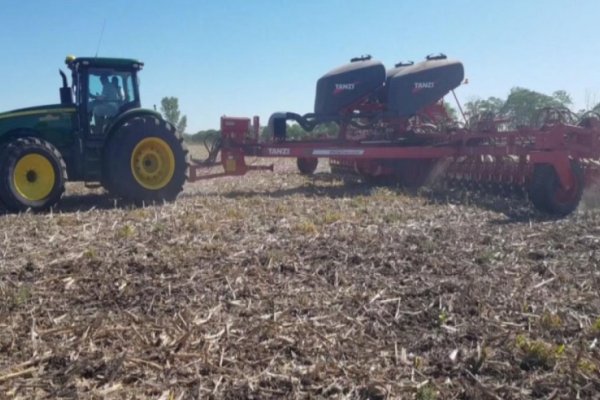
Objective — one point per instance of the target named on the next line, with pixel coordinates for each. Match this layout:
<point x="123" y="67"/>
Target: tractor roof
<point x="103" y="62"/>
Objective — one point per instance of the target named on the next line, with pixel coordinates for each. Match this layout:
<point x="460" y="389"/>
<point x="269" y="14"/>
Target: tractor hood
<point x="54" y="123"/>
<point x="48" y="109"/>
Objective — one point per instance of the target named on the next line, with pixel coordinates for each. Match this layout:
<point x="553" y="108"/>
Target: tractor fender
<point x="17" y="133"/>
<point x="128" y="115"/>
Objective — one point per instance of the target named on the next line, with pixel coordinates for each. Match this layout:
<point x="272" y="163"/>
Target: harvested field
<point x="275" y="285"/>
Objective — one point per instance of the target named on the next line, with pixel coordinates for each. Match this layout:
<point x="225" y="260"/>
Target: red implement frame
<point x="481" y="153"/>
<point x="551" y="164"/>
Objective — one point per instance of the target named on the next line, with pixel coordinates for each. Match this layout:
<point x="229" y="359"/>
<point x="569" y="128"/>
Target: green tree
<point x="169" y="108"/>
<point x="522" y="105"/>
<point x="328" y="129"/>
<point x="480" y="106"/>
<point x="294" y="131"/>
<point x="563" y="98"/>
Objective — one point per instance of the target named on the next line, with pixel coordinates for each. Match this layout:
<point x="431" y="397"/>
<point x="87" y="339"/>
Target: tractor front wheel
<point x="547" y="194"/>
<point x="145" y="161"/>
<point x="32" y="175"/>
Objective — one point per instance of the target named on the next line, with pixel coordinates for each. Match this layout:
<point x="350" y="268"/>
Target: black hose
<point x="307" y="122"/>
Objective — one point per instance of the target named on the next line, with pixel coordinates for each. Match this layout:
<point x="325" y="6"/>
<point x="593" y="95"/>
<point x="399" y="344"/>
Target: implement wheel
<point x="307" y="165"/>
<point x="145" y="161"/>
<point x="32" y="175"/>
<point x="547" y="194"/>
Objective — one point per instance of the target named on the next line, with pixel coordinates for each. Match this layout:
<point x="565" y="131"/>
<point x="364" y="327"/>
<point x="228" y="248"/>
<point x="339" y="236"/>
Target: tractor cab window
<point x="109" y="91"/>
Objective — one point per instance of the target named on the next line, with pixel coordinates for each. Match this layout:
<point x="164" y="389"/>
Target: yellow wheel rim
<point x="152" y="163"/>
<point x="34" y="177"/>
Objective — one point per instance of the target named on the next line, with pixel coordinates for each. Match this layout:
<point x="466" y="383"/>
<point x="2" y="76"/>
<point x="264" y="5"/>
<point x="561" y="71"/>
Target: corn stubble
<point x="282" y="286"/>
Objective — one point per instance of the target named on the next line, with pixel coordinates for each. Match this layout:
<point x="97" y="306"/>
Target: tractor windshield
<point x="109" y="92"/>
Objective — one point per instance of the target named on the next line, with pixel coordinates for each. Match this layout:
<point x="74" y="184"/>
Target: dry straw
<point x="281" y="286"/>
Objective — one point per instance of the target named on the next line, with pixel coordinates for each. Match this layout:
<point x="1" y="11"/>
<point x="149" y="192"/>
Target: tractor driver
<point x="115" y="82"/>
<point x="110" y="93"/>
<point x="104" y="105"/>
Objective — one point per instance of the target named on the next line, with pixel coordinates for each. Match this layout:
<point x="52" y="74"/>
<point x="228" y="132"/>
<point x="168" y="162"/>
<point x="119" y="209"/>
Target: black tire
<point x="307" y="165"/>
<point x="546" y="194"/>
<point x="2" y="205"/>
<point x="32" y="175"/>
<point x="124" y="164"/>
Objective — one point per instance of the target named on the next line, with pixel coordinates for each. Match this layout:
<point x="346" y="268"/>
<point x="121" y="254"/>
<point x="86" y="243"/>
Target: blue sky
<point x="256" y="57"/>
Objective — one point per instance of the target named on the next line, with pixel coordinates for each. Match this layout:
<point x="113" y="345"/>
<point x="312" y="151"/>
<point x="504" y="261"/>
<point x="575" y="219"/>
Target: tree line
<point x="521" y="107"/>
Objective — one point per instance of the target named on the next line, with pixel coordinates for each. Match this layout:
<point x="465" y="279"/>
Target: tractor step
<point x="92" y="161"/>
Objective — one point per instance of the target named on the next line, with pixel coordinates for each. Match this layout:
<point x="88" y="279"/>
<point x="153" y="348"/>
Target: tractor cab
<point x="103" y="88"/>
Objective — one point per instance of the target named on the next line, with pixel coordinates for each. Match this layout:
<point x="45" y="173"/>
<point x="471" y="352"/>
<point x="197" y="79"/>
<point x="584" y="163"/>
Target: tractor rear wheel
<point x="547" y="194"/>
<point x="32" y="175"/>
<point x="145" y="161"/>
<point x="307" y="165"/>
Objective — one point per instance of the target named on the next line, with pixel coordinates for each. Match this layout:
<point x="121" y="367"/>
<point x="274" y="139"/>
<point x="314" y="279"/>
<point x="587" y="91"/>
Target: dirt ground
<point x="276" y="285"/>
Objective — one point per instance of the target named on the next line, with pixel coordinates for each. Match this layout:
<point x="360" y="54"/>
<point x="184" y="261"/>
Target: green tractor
<point x="98" y="134"/>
